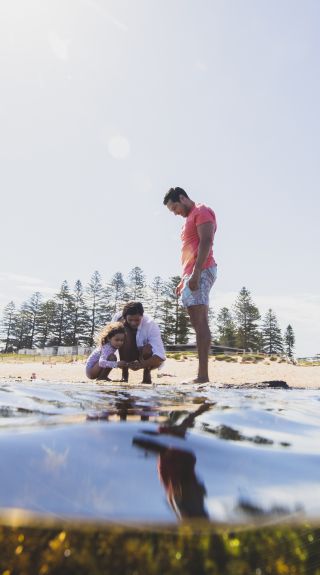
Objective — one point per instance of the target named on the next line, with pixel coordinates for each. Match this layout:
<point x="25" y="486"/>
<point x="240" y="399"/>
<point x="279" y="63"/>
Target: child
<point x="102" y="360"/>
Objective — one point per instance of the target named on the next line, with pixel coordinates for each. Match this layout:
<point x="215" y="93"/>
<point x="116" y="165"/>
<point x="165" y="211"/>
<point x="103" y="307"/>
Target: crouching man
<point x="143" y="348"/>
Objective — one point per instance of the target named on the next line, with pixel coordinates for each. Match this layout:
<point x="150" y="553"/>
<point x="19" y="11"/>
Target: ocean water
<point x="158" y="455"/>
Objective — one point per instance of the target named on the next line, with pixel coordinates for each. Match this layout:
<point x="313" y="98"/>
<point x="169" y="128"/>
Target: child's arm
<point x="108" y="358"/>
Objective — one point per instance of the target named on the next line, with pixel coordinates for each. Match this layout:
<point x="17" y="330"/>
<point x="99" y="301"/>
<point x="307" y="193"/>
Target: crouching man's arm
<point x="152" y="354"/>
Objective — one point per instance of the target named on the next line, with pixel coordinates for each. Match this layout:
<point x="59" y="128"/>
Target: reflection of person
<point x="185" y="492"/>
<point x="199" y="269"/>
<point x="143" y="347"/>
<point x="176" y="467"/>
<point x="103" y="359"/>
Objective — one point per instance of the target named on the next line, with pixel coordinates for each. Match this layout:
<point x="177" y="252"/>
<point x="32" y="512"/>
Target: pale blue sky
<point x="105" y="104"/>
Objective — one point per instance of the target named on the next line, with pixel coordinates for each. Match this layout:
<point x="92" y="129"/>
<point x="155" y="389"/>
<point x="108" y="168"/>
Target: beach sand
<point x="173" y="372"/>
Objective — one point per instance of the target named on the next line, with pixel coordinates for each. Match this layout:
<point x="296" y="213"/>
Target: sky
<point x="106" y="104"/>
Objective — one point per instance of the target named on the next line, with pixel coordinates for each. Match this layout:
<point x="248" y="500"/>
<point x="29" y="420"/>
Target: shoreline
<point x="174" y="371"/>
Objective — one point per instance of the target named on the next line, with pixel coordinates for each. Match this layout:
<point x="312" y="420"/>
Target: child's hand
<point x="122" y="363"/>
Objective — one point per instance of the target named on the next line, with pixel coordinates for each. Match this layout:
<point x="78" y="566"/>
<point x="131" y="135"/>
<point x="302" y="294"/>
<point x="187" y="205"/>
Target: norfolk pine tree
<point x="63" y="320"/>
<point x="137" y="284"/>
<point x="46" y="323"/>
<point x="226" y="328"/>
<point x="98" y="305"/>
<point x="33" y="307"/>
<point x="246" y="316"/>
<point x="177" y="326"/>
<point x="289" y="341"/>
<point x="271" y="334"/>
<point x="79" y="316"/>
<point x="22" y="327"/>
<point x="158" y="288"/>
<point x="118" y="287"/>
<point x="8" y="325"/>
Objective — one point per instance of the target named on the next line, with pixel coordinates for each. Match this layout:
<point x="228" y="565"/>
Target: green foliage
<point x="226" y="328"/>
<point x="8" y="326"/>
<point x="174" y="319"/>
<point x="271" y="334"/>
<point x="252" y="357"/>
<point x="137" y="284"/>
<point x="246" y="316"/>
<point x="174" y="355"/>
<point x="73" y="317"/>
<point x="190" y="549"/>
<point x="289" y="341"/>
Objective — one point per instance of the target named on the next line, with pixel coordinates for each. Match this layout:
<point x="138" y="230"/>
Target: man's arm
<point x="206" y="233"/>
<point x="158" y="351"/>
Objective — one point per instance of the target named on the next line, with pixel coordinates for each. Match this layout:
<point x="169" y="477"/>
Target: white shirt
<point x="148" y="332"/>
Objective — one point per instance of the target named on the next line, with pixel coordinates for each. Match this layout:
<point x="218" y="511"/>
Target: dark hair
<point x="109" y="331"/>
<point x="132" y="308"/>
<point x="174" y="195"/>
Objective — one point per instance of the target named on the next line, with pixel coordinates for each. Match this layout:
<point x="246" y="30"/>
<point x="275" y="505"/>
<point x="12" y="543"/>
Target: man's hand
<point x="135" y="365"/>
<point x="122" y="363"/>
<point x="179" y="288"/>
<point x="194" y="281"/>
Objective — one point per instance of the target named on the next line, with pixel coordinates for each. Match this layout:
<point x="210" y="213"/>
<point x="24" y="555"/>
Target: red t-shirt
<point x="199" y="214"/>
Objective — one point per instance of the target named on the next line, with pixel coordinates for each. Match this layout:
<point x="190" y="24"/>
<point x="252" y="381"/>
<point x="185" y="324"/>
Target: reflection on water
<point x="159" y="453"/>
<point x="176" y="467"/>
<point x="79" y="460"/>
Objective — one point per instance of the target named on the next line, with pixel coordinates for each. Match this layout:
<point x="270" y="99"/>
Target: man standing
<point x="199" y="269"/>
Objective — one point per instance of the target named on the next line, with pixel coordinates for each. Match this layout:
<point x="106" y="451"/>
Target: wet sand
<point x="174" y="372"/>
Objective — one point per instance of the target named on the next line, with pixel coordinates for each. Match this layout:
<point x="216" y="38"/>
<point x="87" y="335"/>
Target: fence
<point x="57" y="350"/>
<point x="84" y="350"/>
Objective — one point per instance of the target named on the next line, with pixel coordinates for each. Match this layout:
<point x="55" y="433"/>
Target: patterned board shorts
<point x="201" y="295"/>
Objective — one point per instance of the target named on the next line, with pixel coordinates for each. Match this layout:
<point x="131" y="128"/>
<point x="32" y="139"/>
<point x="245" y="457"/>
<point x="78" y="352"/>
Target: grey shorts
<point x="201" y="295"/>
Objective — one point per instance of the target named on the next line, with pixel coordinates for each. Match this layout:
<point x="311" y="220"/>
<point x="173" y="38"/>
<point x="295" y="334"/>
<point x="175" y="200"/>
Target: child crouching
<point x="103" y="359"/>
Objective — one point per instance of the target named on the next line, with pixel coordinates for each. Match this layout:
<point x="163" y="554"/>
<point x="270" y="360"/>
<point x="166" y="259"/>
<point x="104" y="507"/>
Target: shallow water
<point x="159" y="454"/>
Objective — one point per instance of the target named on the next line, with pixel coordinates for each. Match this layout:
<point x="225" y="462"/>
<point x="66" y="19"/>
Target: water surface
<point x="159" y="454"/>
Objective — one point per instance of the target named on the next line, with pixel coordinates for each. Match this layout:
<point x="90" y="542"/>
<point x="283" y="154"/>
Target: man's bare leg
<point x="128" y="352"/>
<point x="199" y="320"/>
<point x="146" y="376"/>
<point x="146" y="353"/>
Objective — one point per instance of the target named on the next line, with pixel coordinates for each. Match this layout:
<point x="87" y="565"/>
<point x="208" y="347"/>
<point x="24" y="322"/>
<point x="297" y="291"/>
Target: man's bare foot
<point x="196" y="380"/>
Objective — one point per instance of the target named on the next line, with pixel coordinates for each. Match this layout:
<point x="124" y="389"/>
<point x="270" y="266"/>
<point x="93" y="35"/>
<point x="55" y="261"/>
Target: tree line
<point x="242" y="326"/>
<point x="74" y="315"/>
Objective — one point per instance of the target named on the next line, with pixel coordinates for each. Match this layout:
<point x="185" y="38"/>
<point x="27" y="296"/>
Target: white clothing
<point x="148" y="332"/>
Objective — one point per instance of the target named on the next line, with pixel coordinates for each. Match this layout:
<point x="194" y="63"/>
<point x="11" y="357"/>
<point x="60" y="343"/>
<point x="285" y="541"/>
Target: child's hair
<point x="109" y="331"/>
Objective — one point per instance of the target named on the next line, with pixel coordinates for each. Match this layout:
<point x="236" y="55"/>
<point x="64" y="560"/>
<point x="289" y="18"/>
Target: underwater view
<point x="151" y="479"/>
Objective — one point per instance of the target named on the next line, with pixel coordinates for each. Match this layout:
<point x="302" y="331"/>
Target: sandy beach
<point x="174" y="372"/>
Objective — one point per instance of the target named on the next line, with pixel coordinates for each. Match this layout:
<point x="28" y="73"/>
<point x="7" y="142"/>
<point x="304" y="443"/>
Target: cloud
<point x="20" y="278"/>
<point x="35" y="288"/>
<point x="119" y="147"/>
<point x="18" y="287"/>
<point x="59" y="46"/>
<point x="141" y="183"/>
<point x="119" y="24"/>
<point x="201" y="65"/>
